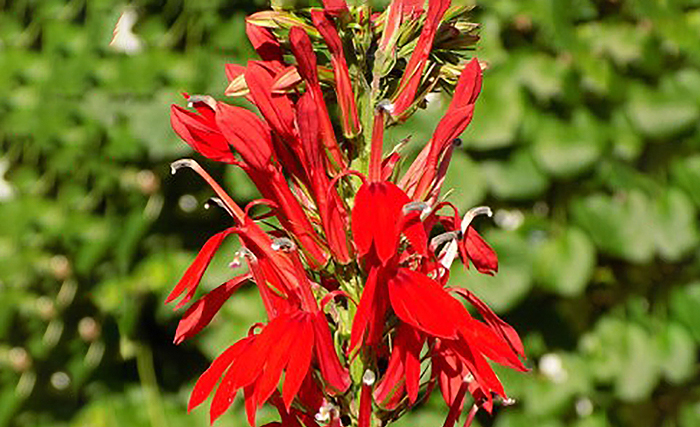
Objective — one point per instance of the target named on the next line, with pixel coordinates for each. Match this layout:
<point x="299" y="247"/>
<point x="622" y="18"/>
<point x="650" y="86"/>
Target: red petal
<point x="227" y="391"/>
<point x="277" y="358"/>
<point x="194" y="273"/>
<point x="504" y="329"/>
<point x="424" y="304"/>
<point x="480" y="253"/>
<point x="299" y="362"/>
<point x="335" y="376"/>
<point x="414" y="69"/>
<point x="203" y="136"/>
<point x="264" y="43"/>
<point x="363" y="216"/>
<point x="233" y="71"/>
<point x="206" y="382"/>
<point x="414" y="344"/>
<point x="491" y="345"/>
<point x="246" y="133"/>
<point x="201" y="312"/>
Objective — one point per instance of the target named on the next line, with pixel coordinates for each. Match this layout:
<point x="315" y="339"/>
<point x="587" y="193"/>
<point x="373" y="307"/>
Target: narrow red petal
<point x="363" y="216"/>
<point x="424" y="304"/>
<point x="201" y="312"/>
<point x="335" y="376"/>
<point x="190" y="280"/>
<point x="299" y="362"/>
<point x="206" y="382"/>
<point x="480" y="253"/>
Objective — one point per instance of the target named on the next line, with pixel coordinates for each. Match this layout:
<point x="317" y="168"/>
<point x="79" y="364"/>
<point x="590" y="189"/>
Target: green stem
<point x="149" y="384"/>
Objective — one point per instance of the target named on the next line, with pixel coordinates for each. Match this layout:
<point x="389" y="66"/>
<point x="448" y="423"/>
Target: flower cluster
<point x="352" y="259"/>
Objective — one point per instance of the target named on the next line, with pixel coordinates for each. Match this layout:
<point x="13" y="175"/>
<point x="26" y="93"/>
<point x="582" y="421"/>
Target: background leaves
<point x="585" y="142"/>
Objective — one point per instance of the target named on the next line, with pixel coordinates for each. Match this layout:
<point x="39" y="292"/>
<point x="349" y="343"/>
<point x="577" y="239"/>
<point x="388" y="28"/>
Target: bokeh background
<point x="586" y="143"/>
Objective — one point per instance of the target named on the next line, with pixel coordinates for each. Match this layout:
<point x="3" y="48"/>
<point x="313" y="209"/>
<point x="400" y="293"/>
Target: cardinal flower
<point x="352" y="257"/>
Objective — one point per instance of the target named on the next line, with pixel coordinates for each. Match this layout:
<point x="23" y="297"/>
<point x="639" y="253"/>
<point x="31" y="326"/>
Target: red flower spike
<point x="414" y="70"/>
<point x="343" y="85"/>
<point x="190" y="280"/>
<point x="201" y="312"/>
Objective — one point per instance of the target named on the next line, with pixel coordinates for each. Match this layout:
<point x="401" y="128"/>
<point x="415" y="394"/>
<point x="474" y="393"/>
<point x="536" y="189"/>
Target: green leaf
<point x="517" y="179"/>
<point x="676" y="231"/>
<point x="685" y="306"/>
<point x="639" y="373"/>
<point x="677" y="351"/>
<point x="621" y="226"/>
<point x="686" y="174"/>
<point x="566" y="150"/>
<point x="565" y="263"/>
<point x="464" y="182"/>
<point x="660" y="114"/>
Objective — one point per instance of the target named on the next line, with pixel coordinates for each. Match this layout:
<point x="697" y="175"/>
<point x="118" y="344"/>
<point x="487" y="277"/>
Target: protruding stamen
<point x="232" y="207"/>
<point x="386" y="106"/>
<point x="182" y="163"/>
<point x="449" y="253"/>
<point x="507" y="401"/>
<point x="468" y="378"/>
<point x="241" y="253"/>
<point x="193" y="99"/>
<point x="438" y="240"/>
<point x="220" y="203"/>
<point x="283" y="244"/>
<point x="421" y="207"/>
<point x="368" y="378"/>
<point x="457" y="142"/>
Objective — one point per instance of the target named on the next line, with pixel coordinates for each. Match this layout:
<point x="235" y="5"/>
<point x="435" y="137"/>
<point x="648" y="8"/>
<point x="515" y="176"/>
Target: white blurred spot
<point x="6" y="190"/>
<point x="187" y="203"/>
<point x="60" y="380"/>
<point x="584" y="407"/>
<point x="509" y="220"/>
<point x="124" y="39"/>
<point x="552" y="367"/>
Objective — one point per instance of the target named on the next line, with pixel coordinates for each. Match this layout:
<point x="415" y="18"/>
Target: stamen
<point x="457" y="142"/>
<point x="421" y="207"/>
<point x="508" y="401"/>
<point x="283" y="244"/>
<point x="232" y="207"/>
<point x="438" y="240"/>
<point x="193" y="99"/>
<point x="242" y="253"/>
<point x="468" y="378"/>
<point x="217" y="201"/>
<point x="386" y="106"/>
<point x="368" y="378"/>
<point x="450" y="252"/>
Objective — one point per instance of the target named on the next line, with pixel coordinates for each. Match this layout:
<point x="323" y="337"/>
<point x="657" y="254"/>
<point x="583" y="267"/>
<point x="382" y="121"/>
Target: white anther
<point x="421" y="207"/>
<point x="182" y="163"/>
<point x="193" y="99"/>
<point x="368" y="378"/>
<point x="386" y="106"/>
<point x="468" y="378"/>
<point x="450" y="252"/>
<point x="283" y="244"/>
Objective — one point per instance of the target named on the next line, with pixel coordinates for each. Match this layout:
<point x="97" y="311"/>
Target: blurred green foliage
<point x="585" y="142"/>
